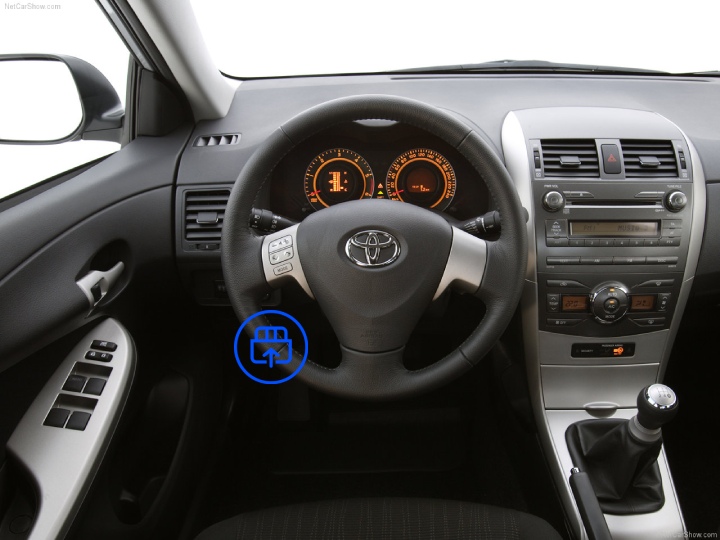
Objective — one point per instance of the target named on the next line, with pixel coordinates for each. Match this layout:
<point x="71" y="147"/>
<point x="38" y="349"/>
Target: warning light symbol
<point x="618" y="351"/>
<point x="612" y="159"/>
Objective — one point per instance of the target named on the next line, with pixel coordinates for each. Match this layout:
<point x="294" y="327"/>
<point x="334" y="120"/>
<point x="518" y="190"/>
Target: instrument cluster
<point x="376" y="160"/>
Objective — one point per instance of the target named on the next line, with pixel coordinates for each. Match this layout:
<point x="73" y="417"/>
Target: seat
<point x="383" y="518"/>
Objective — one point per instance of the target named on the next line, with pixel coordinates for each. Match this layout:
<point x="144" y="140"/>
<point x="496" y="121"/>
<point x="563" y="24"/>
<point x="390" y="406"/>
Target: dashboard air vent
<point x="649" y="159"/>
<point x="570" y="157"/>
<point x="217" y="140"/>
<point x="204" y="215"/>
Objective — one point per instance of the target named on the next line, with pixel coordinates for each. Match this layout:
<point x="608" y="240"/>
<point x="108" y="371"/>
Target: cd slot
<point x="615" y="203"/>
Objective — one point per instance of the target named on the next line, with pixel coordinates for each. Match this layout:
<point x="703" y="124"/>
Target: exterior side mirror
<point x="41" y="104"/>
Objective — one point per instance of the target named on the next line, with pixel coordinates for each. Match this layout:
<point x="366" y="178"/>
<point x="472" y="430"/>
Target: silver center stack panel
<point x="616" y="200"/>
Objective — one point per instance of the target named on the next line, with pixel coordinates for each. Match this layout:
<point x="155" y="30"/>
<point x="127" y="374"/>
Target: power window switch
<point x="56" y="417"/>
<point x="74" y="383"/>
<point x="78" y="421"/>
<point x="100" y="345"/>
<point x="94" y="386"/>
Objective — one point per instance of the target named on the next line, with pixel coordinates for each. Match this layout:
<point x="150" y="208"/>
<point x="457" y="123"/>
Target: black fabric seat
<point x="383" y="518"/>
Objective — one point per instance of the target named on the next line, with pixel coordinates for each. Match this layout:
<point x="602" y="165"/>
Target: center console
<point x="616" y="201"/>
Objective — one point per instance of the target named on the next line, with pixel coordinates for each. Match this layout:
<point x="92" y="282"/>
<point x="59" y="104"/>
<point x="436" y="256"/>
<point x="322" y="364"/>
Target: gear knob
<point x="657" y="404"/>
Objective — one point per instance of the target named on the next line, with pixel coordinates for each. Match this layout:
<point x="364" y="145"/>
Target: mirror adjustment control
<point x="609" y="302"/>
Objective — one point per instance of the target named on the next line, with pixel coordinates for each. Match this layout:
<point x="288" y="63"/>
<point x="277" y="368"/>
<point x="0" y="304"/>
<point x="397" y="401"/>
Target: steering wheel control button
<point x="74" y="383"/>
<point x="553" y="201"/>
<point x="282" y="255"/>
<point x="98" y="356"/>
<point x="283" y="269"/>
<point x="280" y="243"/>
<point x="78" y="421"/>
<point x="56" y="418"/>
<point x="94" y="386"/>
<point x="556" y="228"/>
<point x="371" y="249"/>
<point x="99" y="345"/>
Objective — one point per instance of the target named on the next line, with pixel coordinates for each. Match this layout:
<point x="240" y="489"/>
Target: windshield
<point x="268" y="39"/>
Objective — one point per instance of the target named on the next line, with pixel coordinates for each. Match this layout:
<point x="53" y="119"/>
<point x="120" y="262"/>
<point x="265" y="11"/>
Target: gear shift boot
<point x="623" y="471"/>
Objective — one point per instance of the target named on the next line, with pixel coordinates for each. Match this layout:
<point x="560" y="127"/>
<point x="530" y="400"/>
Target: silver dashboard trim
<point x="465" y="267"/>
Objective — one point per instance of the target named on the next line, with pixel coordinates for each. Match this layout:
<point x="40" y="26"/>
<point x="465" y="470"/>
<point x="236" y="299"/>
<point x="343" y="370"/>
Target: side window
<point x="76" y="28"/>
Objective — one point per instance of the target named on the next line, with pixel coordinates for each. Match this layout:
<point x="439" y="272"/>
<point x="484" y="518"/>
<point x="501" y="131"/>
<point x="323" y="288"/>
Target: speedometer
<point x="336" y="176"/>
<point x="422" y="177"/>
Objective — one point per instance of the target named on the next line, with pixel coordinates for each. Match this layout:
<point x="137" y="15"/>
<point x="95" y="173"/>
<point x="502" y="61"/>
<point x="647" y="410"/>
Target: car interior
<point x="450" y="302"/>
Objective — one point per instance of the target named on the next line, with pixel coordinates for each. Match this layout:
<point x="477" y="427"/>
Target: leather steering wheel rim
<point x="371" y="377"/>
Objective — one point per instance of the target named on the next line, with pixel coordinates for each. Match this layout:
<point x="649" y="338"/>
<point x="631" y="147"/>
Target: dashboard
<point x="376" y="160"/>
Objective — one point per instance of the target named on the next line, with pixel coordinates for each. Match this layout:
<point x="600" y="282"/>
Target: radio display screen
<point x="614" y="229"/>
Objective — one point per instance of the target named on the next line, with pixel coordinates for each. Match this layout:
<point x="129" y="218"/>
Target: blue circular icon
<point x="270" y="346"/>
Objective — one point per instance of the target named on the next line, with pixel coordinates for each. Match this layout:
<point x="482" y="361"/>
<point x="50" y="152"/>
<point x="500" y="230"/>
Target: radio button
<point x="577" y="242"/>
<point x="556" y="242"/>
<point x="604" y="242"/>
<point x="596" y="260"/>
<point x="655" y="283"/>
<point x="621" y="242"/>
<point x="672" y="223"/>
<point x="628" y="260"/>
<point x="655" y="195"/>
<point x="552" y="261"/>
<point x="565" y="283"/>
<point x="675" y="241"/>
<point x="636" y="242"/>
<point x="651" y="242"/>
<point x="662" y="260"/>
<point x="556" y="228"/>
<point x="671" y="233"/>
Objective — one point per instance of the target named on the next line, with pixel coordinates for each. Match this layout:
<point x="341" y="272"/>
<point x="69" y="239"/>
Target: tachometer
<point x="422" y="177"/>
<point x="336" y="176"/>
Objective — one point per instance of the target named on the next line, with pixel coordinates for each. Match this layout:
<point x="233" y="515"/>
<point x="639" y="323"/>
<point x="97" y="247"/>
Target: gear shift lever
<point x="620" y="456"/>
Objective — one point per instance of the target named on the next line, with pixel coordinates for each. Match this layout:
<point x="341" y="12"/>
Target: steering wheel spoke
<point x="281" y="260"/>
<point x="466" y="264"/>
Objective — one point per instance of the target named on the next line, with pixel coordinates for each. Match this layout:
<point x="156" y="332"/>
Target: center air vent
<point x="204" y="216"/>
<point x="570" y="158"/>
<point x="649" y="159"/>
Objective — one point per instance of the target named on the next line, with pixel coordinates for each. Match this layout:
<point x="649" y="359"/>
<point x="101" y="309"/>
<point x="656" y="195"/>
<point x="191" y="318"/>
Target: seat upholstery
<point x="383" y="518"/>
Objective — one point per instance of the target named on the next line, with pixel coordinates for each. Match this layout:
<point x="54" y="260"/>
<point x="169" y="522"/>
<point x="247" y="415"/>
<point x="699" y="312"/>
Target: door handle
<point x="97" y="283"/>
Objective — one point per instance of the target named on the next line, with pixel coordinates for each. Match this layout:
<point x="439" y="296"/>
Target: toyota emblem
<point x="372" y="248"/>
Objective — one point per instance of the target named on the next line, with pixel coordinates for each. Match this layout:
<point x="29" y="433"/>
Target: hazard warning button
<point x="611" y="159"/>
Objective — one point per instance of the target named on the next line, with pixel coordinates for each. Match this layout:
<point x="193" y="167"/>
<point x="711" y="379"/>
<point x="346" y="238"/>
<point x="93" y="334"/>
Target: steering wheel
<point x="374" y="266"/>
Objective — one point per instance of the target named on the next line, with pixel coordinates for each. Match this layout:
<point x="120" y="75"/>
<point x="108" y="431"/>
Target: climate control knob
<point x="553" y="201"/>
<point x="609" y="302"/>
<point x="676" y="201"/>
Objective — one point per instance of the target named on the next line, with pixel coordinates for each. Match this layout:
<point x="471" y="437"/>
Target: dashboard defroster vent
<point x="204" y="215"/>
<point x="649" y="159"/>
<point x="574" y="158"/>
<point x="217" y="140"/>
